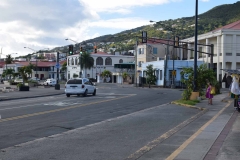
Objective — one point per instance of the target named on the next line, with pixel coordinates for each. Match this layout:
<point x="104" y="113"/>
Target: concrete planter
<point x="194" y="95"/>
<point x="23" y="88"/>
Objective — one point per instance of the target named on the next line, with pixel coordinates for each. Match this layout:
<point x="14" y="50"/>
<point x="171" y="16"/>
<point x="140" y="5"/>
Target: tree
<point x="8" y="60"/>
<point x="63" y="70"/>
<point x="204" y="75"/>
<point x="8" y="72"/>
<point x="124" y="75"/>
<point x="105" y="74"/>
<point x="151" y="78"/>
<point x="24" y="72"/>
<point x="75" y="75"/>
<point x="86" y="61"/>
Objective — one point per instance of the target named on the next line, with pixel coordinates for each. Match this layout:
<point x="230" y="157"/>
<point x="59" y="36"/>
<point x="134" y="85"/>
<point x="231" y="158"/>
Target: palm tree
<point x="24" y="72"/>
<point x="63" y="70"/>
<point x="86" y="61"/>
<point x="8" y="60"/>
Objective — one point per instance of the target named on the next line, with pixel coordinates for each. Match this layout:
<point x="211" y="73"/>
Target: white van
<point x="50" y="82"/>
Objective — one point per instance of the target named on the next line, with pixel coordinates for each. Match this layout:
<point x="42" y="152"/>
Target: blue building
<point x="164" y="70"/>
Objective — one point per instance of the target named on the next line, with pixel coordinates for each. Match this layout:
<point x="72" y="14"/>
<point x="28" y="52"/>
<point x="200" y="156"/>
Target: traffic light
<point x="81" y="50"/>
<point x="70" y="50"/>
<point x="144" y="36"/>
<point x="95" y="50"/>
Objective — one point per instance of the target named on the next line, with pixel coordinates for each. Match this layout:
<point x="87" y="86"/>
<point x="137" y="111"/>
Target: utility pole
<point x="195" y="48"/>
<point x="57" y="85"/>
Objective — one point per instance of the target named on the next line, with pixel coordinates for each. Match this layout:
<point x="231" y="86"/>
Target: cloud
<point x="120" y="23"/>
<point x="123" y="6"/>
<point x="42" y="24"/>
<point x="205" y="0"/>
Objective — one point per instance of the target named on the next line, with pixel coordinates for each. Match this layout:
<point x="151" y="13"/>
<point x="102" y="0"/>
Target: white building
<point x="226" y="41"/>
<point x="102" y="61"/>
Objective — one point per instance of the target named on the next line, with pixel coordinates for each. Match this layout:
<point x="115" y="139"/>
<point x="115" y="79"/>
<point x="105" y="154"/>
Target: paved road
<point x="134" y="127"/>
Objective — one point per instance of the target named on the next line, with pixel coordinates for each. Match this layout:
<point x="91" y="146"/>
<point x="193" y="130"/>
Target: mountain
<point x="183" y="27"/>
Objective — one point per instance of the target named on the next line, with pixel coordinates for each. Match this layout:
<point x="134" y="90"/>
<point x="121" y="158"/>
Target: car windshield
<point x="75" y="81"/>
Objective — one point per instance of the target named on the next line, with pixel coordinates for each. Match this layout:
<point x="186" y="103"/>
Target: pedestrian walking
<point x="208" y="93"/>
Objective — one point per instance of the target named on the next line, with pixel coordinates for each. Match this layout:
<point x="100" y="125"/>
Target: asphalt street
<point x="121" y="122"/>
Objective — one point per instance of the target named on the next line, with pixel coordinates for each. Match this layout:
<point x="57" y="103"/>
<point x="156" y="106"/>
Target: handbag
<point x="212" y="90"/>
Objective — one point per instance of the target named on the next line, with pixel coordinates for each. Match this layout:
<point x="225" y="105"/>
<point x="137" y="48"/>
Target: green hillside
<point x="182" y="27"/>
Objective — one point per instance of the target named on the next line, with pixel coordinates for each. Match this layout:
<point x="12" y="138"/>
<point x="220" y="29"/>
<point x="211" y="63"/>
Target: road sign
<point x="185" y="76"/>
<point x="57" y="65"/>
<point x="174" y="72"/>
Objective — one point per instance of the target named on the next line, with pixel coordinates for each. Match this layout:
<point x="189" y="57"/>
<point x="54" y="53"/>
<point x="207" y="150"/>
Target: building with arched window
<point x="102" y="61"/>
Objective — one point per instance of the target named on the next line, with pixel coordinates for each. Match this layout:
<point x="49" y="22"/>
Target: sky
<point x="41" y="24"/>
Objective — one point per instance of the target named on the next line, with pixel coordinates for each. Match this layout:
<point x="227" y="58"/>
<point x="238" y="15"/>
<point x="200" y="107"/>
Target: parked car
<point x="80" y="86"/>
<point x="35" y="79"/>
<point x="50" y="82"/>
<point x="18" y="80"/>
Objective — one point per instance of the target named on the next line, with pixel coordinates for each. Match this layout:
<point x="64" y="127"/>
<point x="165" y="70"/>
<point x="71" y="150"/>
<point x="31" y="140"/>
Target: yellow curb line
<point x="186" y="105"/>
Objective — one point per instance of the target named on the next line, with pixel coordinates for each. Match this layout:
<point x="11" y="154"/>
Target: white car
<point x="50" y="82"/>
<point x="80" y="86"/>
<point x="35" y="79"/>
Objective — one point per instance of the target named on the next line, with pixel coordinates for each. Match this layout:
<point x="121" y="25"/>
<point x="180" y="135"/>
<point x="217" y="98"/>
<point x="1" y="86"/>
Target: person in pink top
<point x="208" y="94"/>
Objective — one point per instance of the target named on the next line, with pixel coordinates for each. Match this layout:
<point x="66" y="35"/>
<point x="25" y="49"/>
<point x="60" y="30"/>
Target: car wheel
<point x="94" y="93"/>
<point x="85" y="93"/>
<point x="68" y="95"/>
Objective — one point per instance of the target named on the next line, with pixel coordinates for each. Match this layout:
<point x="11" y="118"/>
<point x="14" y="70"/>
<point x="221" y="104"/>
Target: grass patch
<point x="188" y="102"/>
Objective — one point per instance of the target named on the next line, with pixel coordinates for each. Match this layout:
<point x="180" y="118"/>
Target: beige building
<point x="226" y="41"/>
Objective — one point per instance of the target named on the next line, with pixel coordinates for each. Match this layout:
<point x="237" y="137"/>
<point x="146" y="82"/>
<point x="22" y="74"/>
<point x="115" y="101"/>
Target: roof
<point x="157" y="41"/>
<point x="234" y="26"/>
<point x="39" y="63"/>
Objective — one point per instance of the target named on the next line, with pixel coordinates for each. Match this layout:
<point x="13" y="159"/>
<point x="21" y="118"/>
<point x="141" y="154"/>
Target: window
<point x="228" y="54"/>
<point x="75" y="81"/>
<point x="154" y="50"/>
<point x="108" y="61"/>
<point x="199" y="53"/>
<point x="191" y="55"/>
<point x="99" y="61"/>
<point x="139" y="64"/>
<point x="237" y="54"/>
<point x="92" y="60"/>
<point x="120" y="61"/>
<point x="76" y="61"/>
<point x="160" y="74"/>
<point x="72" y="61"/>
<point x="139" y="51"/>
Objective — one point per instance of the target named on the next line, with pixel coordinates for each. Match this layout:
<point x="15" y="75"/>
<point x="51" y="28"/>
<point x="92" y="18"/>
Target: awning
<point x="231" y="71"/>
<point x="125" y="65"/>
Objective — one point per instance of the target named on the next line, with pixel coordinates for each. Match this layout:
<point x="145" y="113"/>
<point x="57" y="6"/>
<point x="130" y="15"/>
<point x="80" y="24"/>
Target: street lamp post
<point x="195" y="47"/>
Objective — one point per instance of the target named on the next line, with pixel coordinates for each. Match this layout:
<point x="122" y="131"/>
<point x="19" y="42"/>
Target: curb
<point x="189" y="106"/>
<point x="15" y="98"/>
